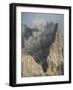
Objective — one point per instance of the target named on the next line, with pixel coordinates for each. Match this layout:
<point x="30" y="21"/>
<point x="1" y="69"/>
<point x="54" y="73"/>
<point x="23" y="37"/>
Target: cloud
<point x="41" y="39"/>
<point x="39" y="23"/>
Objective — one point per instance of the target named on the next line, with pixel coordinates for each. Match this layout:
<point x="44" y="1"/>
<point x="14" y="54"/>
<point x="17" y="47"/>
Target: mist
<point x="37" y="41"/>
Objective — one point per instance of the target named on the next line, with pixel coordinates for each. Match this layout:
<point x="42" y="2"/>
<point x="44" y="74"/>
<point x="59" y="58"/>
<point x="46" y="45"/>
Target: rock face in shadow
<point x="42" y="51"/>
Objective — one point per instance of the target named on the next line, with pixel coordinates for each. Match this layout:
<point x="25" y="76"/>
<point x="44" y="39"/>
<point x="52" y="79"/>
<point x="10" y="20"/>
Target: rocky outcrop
<point x="30" y="67"/>
<point x="56" y="56"/>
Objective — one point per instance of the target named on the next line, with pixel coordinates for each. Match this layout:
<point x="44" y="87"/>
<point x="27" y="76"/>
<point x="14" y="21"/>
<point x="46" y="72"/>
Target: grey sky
<point x="28" y="17"/>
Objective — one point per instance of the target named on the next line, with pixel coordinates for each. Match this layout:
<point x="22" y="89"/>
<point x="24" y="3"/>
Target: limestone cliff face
<point x="56" y="56"/>
<point x="30" y="67"/>
<point x="57" y="49"/>
<point x="55" y="60"/>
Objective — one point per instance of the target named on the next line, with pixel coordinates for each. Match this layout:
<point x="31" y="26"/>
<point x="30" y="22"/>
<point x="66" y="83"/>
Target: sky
<point x="30" y="18"/>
